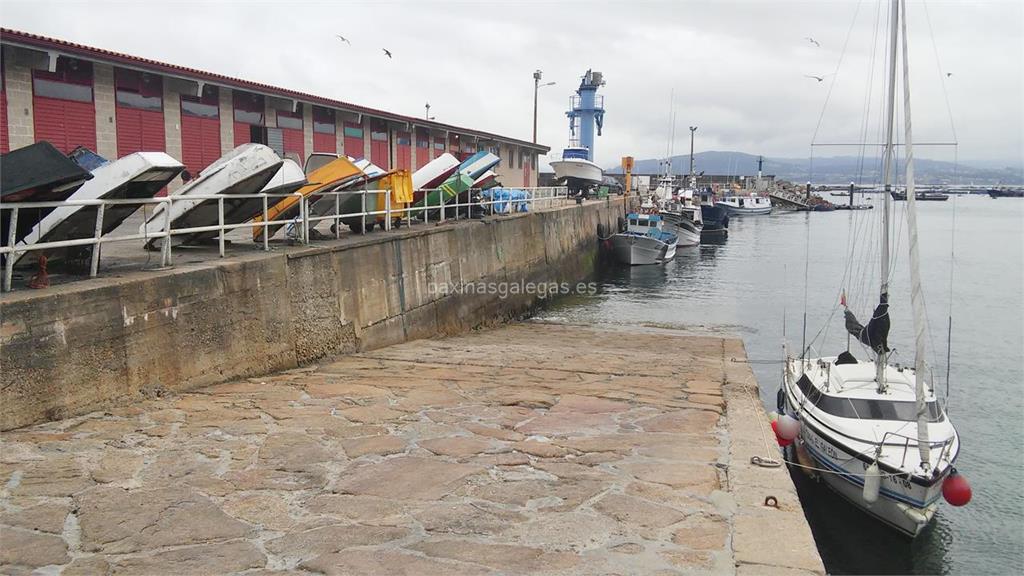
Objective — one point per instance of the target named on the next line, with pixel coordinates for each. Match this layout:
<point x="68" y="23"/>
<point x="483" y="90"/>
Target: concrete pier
<point x="532" y="448"/>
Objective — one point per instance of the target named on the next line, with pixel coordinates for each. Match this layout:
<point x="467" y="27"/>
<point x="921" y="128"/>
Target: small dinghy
<point x="135" y="176"/>
<point x="35" y="173"/>
<point x="323" y="173"/>
<point x="434" y="173"/>
<point x="245" y="170"/>
<point x="644" y="241"/>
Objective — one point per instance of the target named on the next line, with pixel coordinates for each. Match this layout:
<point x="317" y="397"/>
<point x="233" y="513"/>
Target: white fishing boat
<point x="683" y="218"/>
<point x="875" y="432"/>
<point x="245" y="170"/>
<point x="135" y="176"/>
<point x="644" y="241"/>
<point x="745" y="204"/>
<point x="575" y="170"/>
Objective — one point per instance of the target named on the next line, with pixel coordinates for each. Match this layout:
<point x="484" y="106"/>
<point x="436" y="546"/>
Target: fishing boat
<point x="745" y="204"/>
<point x="1005" y="193"/>
<point x="681" y="213"/>
<point x="135" y="176"/>
<point x="576" y="169"/>
<point x="714" y="216"/>
<point x="35" y="173"/>
<point x="875" y="432"/>
<point x="245" y="170"/>
<point x="920" y="195"/>
<point x="644" y="241"/>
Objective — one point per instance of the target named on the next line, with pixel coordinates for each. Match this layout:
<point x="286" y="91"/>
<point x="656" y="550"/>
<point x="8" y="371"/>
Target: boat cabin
<point x="643" y="223"/>
<point x="748" y="201"/>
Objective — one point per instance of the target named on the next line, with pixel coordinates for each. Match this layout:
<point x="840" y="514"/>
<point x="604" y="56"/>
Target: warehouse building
<point x="73" y="95"/>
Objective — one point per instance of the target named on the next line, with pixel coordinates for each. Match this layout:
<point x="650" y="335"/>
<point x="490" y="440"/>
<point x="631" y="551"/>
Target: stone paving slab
<point x="534" y="448"/>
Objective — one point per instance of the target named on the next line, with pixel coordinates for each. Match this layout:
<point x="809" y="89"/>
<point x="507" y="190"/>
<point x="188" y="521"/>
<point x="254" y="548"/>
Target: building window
<point x="206" y="106"/>
<point x="72" y="80"/>
<point x="378" y="136"/>
<point x="286" y="120"/>
<point x="248" y="108"/>
<point x="323" y="120"/>
<point x="404" y="141"/>
<point x="511" y="158"/>
<point x="438" y="145"/>
<point x="421" y="143"/>
<point x="353" y="132"/>
<point x="140" y="90"/>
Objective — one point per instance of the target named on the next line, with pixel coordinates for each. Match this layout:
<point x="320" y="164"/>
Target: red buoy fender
<point x="782" y="441"/>
<point x="956" y="490"/>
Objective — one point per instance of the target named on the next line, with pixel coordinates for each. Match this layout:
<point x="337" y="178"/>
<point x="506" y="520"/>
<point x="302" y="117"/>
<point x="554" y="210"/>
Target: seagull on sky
<point x="343" y="39"/>
<point x="386" y="52"/>
<point x="812" y="41"/>
<point x="818" y="78"/>
<point x="948" y="74"/>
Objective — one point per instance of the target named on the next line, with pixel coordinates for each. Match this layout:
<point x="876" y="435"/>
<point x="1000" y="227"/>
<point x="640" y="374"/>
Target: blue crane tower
<point x="586" y="111"/>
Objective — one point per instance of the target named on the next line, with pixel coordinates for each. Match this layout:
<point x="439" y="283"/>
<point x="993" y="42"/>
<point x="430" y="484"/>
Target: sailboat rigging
<point x="855" y="417"/>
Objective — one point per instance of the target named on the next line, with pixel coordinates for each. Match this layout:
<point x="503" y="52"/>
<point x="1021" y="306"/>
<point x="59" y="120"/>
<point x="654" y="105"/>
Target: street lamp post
<point x="536" y="87"/>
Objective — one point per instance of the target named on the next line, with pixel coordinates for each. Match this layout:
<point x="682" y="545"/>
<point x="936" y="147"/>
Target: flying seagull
<point x="948" y="74"/>
<point x="818" y="78"/>
<point x="812" y="41"/>
<point x="343" y="39"/>
<point x="386" y="52"/>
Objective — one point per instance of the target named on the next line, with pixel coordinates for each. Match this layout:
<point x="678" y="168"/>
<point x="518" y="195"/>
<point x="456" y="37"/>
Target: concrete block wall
<point x="227" y="121"/>
<point x="172" y="128"/>
<point x="339" y="132"/>
<point x="307" y="129"/>
<point x="79" y="347"/>
<point x="103" y="99"/>
<point x="18" y="85"/>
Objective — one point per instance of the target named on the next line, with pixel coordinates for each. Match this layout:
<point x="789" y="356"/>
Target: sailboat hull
<point x="903" y="505"/>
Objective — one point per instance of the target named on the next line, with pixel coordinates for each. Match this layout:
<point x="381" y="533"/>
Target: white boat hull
<point x="737" y="211"/>
<point x="901" y="504"/>
<point x="639" y="250"/>
<point x="686" y="230"/>
<point x="582" y="171"/>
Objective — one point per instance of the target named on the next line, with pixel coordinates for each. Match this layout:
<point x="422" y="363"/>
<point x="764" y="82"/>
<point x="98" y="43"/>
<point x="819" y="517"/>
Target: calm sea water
<point x="753" y="284"/>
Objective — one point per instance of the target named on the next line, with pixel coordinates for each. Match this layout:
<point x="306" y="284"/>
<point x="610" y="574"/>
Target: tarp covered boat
<point x="35" y="173"/>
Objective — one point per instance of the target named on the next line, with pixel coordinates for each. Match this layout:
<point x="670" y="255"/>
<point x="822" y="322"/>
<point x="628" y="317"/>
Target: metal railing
<point x="305" y="222"/>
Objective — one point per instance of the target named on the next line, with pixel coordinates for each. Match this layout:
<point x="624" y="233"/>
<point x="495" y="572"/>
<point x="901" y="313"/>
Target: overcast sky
<point x="736" y="68"/>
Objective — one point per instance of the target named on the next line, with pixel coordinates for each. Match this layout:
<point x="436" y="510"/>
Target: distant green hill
<point x="833" y="170"/>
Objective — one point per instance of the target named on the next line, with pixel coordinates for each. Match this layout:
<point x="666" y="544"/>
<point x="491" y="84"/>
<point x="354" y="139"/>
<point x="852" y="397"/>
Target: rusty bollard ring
<point x="771" y="501"/>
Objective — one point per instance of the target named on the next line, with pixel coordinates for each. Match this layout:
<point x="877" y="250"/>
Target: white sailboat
<point x="876" y="432"/>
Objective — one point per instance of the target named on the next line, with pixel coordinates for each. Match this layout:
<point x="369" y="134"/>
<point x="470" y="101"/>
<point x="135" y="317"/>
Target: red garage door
<point x="380" y="147"/>
<point x="324" y="138"/>
<point x="249" y="111"/>
<point x="200" y="130"/>
<point x="404" y="144"/>
<point x="422" y="148"/>
<point x="290" y="124"/>
<point x="354" y="140"/>
<point x="62" y="105"/>
<point x="453" y="144"/>
<point x="140" y="112"/>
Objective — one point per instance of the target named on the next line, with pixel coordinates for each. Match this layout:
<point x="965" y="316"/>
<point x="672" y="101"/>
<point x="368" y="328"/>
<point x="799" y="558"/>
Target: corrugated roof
<point x="26" y="39"/>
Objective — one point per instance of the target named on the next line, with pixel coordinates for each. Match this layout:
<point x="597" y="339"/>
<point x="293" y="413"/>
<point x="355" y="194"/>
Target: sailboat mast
<point x="887" y="176"/>
<point x="916" y="297"/>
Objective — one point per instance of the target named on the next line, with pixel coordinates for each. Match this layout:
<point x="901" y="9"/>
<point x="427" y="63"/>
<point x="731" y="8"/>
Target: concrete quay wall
<point x="79" y="347"/>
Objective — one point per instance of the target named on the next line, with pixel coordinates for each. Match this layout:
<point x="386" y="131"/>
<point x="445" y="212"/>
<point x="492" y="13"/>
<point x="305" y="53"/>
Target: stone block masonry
<point x="533" y="448"/>
<point x="78" y="347"/>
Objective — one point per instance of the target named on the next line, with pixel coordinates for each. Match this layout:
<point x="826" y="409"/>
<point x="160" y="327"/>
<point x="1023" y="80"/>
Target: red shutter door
<point x="404" y="146"/>
<point x="5" y="143"/>
<point x="200" y="142"/>
<point x="294" y="142"/>
<point x="324" y="143"/>
<point x="241" y="133"/>
<point x="354" y="140"/>
<point x="129" y="131"/>
<point x="64" y="123"/>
